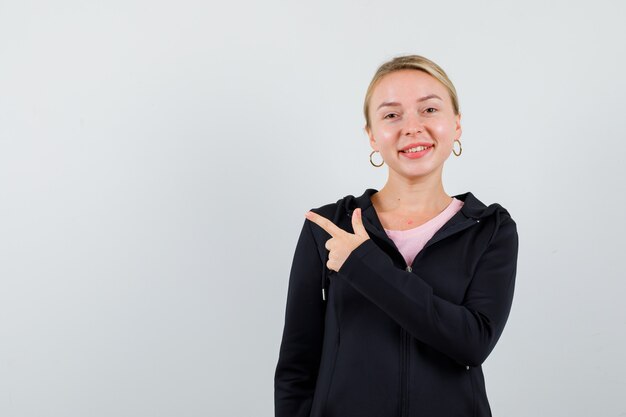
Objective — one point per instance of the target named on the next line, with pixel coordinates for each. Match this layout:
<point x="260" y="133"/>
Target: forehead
<point x="407" y="84"/>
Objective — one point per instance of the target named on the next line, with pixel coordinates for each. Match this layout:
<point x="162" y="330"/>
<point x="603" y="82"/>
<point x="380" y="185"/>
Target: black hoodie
<point x="380" y="338"/>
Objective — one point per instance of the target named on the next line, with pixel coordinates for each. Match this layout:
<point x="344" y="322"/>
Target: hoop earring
<point x="372" y="162"/>
<point x="460" y="148"/>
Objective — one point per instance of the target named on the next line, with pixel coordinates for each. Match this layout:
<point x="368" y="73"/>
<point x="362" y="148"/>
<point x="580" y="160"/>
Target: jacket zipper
<point x="405" y="374"/>
<point x="405" y="340"/>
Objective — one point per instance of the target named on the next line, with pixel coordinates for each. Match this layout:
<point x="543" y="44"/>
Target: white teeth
<point x="416" y="149"/>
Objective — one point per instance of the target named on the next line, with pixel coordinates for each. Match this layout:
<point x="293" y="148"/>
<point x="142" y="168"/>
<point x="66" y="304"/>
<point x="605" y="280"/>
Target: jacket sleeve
<point x="468" y="332"/>
<point x="301" y="346"/>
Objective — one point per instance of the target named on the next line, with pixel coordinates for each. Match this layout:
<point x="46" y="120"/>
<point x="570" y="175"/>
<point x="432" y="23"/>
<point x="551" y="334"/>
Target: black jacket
<point x="391" y="339"/>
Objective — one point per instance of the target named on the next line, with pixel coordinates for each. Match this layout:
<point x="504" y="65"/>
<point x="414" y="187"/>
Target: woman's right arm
<point x="301" y="346"/>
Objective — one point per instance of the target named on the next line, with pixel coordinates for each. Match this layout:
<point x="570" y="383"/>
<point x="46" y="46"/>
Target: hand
<point x="342" y="243"/>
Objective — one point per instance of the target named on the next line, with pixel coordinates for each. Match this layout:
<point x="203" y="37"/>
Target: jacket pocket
<point x="470" y="374"/>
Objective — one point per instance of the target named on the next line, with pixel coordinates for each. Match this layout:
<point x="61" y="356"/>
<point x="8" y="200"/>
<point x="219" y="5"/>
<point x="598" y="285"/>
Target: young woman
<point x="396" y="297"/>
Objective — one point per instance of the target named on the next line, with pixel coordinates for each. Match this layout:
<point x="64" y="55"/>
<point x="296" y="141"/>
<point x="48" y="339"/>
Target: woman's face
<point x="410" y="108"/>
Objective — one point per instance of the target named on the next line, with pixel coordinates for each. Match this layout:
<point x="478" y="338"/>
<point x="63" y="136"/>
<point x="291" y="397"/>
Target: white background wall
<point x="157" y="158"/>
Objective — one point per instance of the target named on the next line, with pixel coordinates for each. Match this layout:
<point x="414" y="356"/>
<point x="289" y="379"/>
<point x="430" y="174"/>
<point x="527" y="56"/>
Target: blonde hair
<point x="414" y="62"/>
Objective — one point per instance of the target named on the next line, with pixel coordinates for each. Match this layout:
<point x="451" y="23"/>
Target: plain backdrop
<point x="157" y="159"/>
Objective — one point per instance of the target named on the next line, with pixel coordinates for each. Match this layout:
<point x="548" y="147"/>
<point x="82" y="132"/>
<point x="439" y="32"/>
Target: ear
<point x="457" y="128"/>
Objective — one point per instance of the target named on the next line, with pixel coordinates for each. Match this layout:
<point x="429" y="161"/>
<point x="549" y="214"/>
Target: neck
<point x="417" y="195"/>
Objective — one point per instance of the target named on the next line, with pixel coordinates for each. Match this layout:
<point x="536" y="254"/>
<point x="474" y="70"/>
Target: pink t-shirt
<point x="411" y="241"/>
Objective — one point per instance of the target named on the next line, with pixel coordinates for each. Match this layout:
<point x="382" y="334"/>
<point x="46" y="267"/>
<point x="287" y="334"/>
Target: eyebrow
<point x="395" y="103"/>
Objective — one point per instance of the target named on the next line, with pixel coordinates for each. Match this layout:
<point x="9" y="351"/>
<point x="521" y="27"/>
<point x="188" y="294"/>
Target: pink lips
<point x="415" y="155"/>
<point x="413" y="145"/>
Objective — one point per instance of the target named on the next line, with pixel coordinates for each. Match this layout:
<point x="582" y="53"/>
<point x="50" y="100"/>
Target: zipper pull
<point x="323" y="294"/>
<point x="408" y="268"/>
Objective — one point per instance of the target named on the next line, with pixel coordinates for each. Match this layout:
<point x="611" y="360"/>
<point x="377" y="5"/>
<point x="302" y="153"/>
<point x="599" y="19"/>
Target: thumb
<point x="357" y="223"/>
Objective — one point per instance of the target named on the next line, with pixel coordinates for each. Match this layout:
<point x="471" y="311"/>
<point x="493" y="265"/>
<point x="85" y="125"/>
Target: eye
<point x="390" y="114"/>
<point x="431" y="108"/>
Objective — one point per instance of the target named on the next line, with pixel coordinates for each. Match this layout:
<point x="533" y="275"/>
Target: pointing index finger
<point x="324" y="223"/>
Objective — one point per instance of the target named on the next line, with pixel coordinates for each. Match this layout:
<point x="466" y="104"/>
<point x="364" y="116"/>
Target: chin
<point x="415" y="174"/>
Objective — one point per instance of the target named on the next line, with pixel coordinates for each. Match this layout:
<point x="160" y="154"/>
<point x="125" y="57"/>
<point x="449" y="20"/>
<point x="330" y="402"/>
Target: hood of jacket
<point x="472" y="209"/>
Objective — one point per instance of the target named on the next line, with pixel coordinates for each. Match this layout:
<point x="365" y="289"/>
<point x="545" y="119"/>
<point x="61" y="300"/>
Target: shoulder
<point x="475" y="208"/>
<point x="327" y="210"/>
<point x="496" y="219"/>
<point x="338" y="212"/>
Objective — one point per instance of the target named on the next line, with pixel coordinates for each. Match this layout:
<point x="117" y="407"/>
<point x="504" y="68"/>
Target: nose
<point x="413" y="125"/>
<point x="413" y="130"/>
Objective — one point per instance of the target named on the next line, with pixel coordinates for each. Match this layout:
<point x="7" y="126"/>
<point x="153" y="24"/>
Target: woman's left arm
<point x="467" y="332"/>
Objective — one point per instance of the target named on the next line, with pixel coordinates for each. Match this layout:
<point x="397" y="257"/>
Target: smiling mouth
<point x="417" y="149"/>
